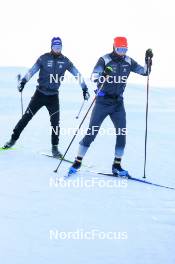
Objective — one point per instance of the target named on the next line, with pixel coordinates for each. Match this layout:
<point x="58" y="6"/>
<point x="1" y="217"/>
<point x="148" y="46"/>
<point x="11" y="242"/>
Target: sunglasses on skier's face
<point x="121" y="50"/>
<point x="57" y="48"/>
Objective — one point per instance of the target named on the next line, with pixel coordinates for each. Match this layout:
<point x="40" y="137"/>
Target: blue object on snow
<point x="72" y="170"/>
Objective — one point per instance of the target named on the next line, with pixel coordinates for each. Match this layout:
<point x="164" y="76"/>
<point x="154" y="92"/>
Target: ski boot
<point x="75" y="166"/>
<point x="55" y="152"/>
<point x="9" y="144"/>
<point x="117" y="169"/>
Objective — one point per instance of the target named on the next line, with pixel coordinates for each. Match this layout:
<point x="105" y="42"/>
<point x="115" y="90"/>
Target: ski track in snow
<point x="30" y="207"/>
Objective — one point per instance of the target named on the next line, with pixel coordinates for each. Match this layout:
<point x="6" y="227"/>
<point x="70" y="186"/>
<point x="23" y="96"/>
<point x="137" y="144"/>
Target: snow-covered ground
<point x="31" y="207"/>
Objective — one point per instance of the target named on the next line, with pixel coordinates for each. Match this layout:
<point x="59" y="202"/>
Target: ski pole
<point x="109" y="69"/>
<point x="22" y="108"/>
<point x="75" y="135"/>
<point x="80" y="109"/>
<point x="146" y="127"/>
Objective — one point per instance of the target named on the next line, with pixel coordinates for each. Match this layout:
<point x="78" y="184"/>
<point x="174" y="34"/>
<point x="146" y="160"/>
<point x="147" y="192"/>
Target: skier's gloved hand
<point x="108" y="70"/>
<point x="22" y="84"/>
<point x="86" y="94"/>
<point x="148" y="56"/>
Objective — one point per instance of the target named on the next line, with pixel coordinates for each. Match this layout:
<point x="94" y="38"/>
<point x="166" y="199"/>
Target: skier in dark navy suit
<point x="110" y="74"/>
<point x="52" y="67"/>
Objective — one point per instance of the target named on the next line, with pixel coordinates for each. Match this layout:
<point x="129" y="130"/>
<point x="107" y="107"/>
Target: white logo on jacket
<point x="50" y="63"/>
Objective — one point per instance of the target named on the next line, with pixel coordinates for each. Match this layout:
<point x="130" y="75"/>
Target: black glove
<point x="86" y="94"/>
<point x="22" y="84"/>
<point x="148" y="54"/>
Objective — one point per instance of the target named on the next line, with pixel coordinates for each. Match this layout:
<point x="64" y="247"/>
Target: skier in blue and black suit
<point x="52" y="67"/>
<point x="110" y="74"/>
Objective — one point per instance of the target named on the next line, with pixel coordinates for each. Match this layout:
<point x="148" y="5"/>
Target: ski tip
<point x="3" y="149"/>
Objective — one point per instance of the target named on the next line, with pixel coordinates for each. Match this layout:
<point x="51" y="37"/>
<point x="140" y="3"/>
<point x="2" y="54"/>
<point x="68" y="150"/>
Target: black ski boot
<point x="55" y="152"/>
<point x="75" y="166"/>
<point x="117" y="169"/>
<point x="9" y="144"/>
